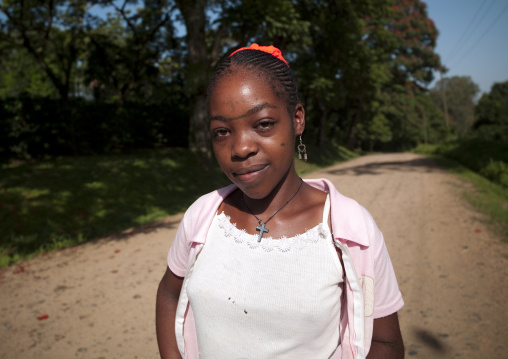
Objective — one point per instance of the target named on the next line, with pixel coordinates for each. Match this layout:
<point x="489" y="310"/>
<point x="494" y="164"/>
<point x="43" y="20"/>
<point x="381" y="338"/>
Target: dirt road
<point x="97" y="300"/>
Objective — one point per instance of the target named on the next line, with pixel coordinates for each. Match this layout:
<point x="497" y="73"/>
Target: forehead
<point x="241" y="89"/>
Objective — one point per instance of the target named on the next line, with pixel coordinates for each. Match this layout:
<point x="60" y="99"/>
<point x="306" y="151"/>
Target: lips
<point x="248" y="173"/>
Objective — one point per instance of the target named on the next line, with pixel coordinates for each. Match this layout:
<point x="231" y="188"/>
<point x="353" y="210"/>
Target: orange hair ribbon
<point x="272" y="50"/>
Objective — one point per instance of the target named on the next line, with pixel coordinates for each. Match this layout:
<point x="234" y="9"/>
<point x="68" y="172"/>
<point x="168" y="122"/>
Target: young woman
<point x="273" y="266"/>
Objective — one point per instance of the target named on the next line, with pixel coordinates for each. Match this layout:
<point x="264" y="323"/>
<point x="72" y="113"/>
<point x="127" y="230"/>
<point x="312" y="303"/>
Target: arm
<point x="386" y="339"/>
<point x="167" y="301"/>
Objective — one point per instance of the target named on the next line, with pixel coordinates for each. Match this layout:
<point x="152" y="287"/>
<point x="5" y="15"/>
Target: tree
<point x="233" y="23"/>
<point x="492" y="113"/>
<point x="339" y="70"/>
<point x="460" y="92"/>
<point x="51" y="32"/>
<point x="126" y="50"/>
<point x="366" y="59"/>
<point x="20" y="75"/>
<point x="413" y="58"/>
<point x="411" y="63"/>
<point x="362" y="66"/>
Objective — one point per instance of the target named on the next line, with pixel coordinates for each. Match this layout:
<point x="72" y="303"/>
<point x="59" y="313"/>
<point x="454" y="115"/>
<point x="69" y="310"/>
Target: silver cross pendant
<point x="261" y="228"/>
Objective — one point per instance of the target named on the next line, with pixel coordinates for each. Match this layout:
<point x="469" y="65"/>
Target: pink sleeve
<point x="387" y="296"/>
<point x="178" y="255"/>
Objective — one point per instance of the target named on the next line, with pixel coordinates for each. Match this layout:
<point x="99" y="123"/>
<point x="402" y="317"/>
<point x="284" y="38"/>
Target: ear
<point x="299" y="119"/>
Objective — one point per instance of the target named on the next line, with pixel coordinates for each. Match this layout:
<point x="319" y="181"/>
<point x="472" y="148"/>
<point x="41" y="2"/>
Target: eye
<point x="265" y="124"/>
<point x="220" y="132"/>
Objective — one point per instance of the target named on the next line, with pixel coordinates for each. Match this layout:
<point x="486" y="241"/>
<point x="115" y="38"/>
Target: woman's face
<point x="253" y="135"/>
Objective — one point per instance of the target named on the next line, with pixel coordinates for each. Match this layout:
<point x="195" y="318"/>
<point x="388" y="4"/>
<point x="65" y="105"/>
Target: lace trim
<point x="268" y="244"/>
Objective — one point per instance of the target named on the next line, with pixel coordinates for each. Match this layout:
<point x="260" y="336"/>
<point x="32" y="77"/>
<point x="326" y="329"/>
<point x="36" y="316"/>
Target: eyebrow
<point x="253" y="110"/>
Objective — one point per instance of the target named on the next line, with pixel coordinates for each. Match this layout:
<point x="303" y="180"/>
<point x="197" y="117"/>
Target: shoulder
<point x="205" y="206"/>
<point x="350" y="220"/>
<point x="208" y="201"/>
<point x="193" y="228"/>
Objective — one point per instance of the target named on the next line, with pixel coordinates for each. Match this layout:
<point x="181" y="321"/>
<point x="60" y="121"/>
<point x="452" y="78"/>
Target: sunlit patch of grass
<point x="53" y="204"/>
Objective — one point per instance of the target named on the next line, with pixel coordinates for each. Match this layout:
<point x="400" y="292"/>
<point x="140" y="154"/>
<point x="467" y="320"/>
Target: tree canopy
<point x="362" y="67"/>
<point x="460" y="93"/>
<point x="492" y="113"/>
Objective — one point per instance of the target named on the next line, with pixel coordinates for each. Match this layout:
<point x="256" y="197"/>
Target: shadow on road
<point x="146" y="228"/>
<point x="429" y="340"/>
<point x="423" y="165"/>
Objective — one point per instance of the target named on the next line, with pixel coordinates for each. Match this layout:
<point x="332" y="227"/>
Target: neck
<point x="284" y="190"/>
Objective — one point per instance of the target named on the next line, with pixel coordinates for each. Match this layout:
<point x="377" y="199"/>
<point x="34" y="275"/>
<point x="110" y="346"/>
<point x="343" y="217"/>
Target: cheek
<point x="221" y="154"/>
<point x="216" y="151"/>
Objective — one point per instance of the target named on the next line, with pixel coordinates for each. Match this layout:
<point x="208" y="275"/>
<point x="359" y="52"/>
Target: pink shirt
<point x="371" y="290"/>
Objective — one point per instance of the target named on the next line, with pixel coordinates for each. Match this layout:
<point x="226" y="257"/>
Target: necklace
<point x="261" y="228"/>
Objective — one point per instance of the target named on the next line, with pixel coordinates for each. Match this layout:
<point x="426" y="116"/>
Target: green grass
<point x="488" y="158"/>
<point x="53" y="204"/>
<point x="48" y="205"/>
<point x="486" y="196"/>
<point x="318" y="158"/>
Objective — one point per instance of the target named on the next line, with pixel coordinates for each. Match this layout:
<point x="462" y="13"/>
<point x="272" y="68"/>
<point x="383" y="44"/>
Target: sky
<point x="473" y="39"/>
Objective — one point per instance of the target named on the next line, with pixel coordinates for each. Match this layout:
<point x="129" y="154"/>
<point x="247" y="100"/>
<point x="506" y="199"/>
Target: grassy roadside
<point x="53" y="204"/>
<point x="485" y="196"/>
<point x="487" y="158"/>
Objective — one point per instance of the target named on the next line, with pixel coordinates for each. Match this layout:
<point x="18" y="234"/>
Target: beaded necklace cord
<point x="261" y="228"/>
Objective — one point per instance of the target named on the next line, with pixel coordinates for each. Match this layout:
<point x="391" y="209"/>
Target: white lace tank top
<point x="278" y="298"/>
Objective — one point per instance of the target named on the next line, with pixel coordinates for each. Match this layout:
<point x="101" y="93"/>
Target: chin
<point x="253" y="192"/>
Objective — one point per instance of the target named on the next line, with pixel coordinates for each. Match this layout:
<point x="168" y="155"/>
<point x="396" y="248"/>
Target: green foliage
<point x="415" y="39"/>
<point x="266" y="21"/>
<point x="338" y="93"/>
<point x="362" y="66"/>
<point x="383" y="55"/>
<point x="410" y="61"/>
<point x="20" y="75"/>
<point x="377" y="129"/>
<point x="34" y="128"/>
<point x="496" y="171"/>
<point x="488" y="158"/>
<point x="492" y="114"/>
<point x="126" y="53"/>
<point x="50" y="31"/>
<point x="459" y="92"/>
<point x="49" y="204"/>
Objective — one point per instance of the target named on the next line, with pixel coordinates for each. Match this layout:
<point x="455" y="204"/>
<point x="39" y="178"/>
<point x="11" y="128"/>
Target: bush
<point x="39" y="127"/>
<point x="496" y="171"/>
<point x="488" y="158"/>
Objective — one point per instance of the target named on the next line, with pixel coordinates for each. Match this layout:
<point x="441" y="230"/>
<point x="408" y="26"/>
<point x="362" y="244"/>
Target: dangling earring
<point x="302" y="150"/>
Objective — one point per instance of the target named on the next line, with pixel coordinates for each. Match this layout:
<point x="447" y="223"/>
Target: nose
<point x="243" y="146"/>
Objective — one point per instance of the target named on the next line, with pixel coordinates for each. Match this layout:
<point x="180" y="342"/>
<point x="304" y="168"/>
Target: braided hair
<point x="276" y="72"/>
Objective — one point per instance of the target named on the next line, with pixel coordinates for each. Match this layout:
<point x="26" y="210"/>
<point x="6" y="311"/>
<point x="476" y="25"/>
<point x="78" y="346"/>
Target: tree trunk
<point x="445" y="104"/>
<point x="352" y="140"/>
<point x="425" y="133"/>
<point x="322" y="125"/>
<point x="193" y="12"/>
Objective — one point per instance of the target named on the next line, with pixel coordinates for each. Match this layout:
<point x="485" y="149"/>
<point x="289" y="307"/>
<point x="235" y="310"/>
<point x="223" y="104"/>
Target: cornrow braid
<point x="274" y="70"/>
